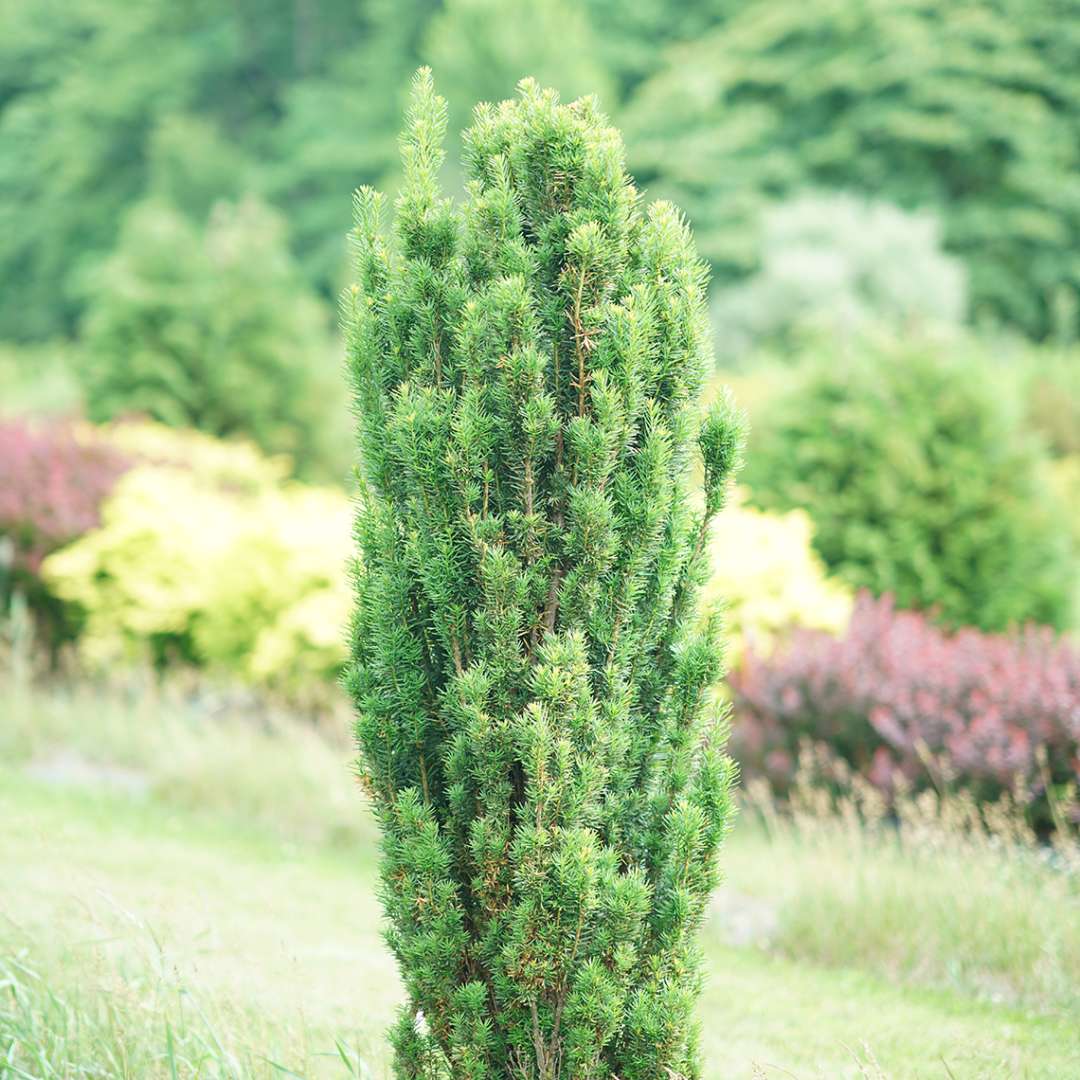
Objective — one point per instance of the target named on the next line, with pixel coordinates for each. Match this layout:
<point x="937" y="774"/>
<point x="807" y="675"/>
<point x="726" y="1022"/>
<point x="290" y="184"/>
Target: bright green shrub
<point x="840" y="263"/>
<point x="214" y="562"/>
<point x="921" y="481"/>
<point x="213" y="329"/>
<point x="532" y="679"/>
<point x="764" y="567"/>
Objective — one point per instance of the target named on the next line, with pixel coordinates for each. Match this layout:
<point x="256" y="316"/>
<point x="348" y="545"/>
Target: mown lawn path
<point x="278" y="950"/>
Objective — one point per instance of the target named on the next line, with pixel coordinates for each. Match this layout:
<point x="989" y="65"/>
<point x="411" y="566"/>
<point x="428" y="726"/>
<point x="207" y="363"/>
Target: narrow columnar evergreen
<point x="531" y="673"/>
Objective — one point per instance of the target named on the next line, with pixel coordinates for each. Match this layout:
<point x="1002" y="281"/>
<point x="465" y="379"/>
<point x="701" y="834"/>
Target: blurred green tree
<point x="481" y="49"/>
<point x="970" y="109"/>
<point x="921" y="481"/>
<point x="86" y="87"/>
<point x="214" y="328"/>
<point x="339" y="129"/>
<point x="630" y="40"/>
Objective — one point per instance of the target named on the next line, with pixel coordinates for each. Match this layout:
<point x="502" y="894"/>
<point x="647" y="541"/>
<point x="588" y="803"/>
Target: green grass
<point x="193" y="750"/>
<point x="210" y="912"/>
<point x="924" y="905"/>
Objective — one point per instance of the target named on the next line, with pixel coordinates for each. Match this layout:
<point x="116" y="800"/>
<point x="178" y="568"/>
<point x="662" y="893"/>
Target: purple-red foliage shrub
<point x="901" y="700"/>
<point x="52" y="484"/>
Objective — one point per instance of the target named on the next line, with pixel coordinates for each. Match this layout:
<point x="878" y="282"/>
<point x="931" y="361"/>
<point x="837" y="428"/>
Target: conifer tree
<point x="531" y="674"/>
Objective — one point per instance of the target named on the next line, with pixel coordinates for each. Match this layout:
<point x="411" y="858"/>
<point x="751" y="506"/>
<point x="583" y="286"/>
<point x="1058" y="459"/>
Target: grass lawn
<point x="162" y="916"/>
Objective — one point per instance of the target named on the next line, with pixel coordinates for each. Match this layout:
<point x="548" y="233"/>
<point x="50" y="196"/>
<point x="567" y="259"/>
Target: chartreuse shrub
<point x="771" y="579"/>
<point x="531" y="676"/>
<point x="921" y="480"/>
<point x="206" y="555"/>
<point x="232" y="464"/>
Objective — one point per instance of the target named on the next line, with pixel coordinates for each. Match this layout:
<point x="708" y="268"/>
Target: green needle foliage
<point x="531" y="675"/>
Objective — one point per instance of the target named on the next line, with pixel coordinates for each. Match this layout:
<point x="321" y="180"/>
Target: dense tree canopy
<point x="87" y="86"/>
<point x="969" y="108"/>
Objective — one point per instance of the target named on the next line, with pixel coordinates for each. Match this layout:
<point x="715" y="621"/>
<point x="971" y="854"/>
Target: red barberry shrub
<point x="53" y="480"/>
<point x="901" y="700"/>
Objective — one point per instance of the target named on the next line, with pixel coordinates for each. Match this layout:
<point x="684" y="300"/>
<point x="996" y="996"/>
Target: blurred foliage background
<point x="888" y="192"/>
<point x="967" y="111"/>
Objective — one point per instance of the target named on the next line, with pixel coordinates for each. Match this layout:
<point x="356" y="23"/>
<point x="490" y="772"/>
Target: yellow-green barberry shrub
<point x="207" y="554"/>
<point x="531" y="675"/>
<point x="771" y="580"/>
